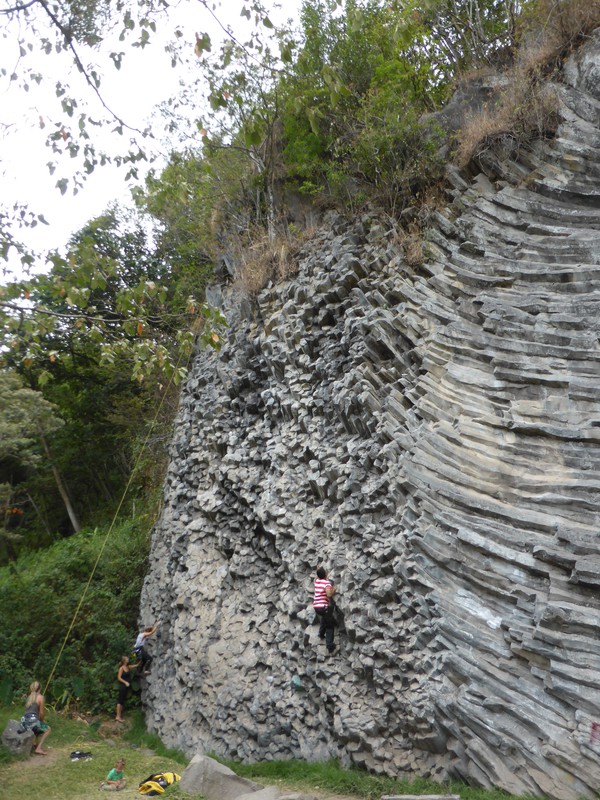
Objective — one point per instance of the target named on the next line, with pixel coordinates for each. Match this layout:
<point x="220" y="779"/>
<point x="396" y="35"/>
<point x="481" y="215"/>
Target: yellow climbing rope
<point x="114" y="519"/>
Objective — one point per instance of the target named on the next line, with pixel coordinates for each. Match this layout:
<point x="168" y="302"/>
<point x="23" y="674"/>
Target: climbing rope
<point x="114" y="519"/>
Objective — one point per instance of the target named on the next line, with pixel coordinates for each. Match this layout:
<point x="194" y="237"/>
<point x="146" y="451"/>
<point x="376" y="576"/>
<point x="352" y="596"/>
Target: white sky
<point x="145" y="79"/>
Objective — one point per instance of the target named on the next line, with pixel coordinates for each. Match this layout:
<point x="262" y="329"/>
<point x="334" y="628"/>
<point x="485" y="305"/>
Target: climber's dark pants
<point x="144" y="659"/>
<point x="327" y="624"/>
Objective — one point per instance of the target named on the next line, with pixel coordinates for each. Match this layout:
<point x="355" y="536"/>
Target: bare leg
<point x="40" y="742"/>
<point x="119" y="716"/>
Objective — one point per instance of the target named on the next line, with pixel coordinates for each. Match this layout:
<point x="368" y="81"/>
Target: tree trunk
<point x="41" y="517"/>
<point x="61" y="486"/>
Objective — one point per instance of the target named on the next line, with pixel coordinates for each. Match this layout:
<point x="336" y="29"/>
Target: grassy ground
<point x="56" y="777"/>
<point x="330" y="780"/>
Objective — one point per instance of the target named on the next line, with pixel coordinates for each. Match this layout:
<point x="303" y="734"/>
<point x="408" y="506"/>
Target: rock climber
<point x="144" y="659"/>
<point x="324" y="607"/>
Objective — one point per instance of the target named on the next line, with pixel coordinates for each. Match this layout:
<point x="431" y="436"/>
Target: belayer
<point x="33" y="718"/>
<point x="124" y="681"/>
<point x="324" y="607"/>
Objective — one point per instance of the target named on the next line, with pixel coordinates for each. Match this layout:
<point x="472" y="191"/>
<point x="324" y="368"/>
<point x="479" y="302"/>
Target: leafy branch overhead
<point x="80" y="37"/>
<point x="108" y="298"/>
<point x="88" y="39"/>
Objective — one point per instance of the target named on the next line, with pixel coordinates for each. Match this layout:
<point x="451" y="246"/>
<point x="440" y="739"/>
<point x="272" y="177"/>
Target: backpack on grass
<point x="157" y="783"/>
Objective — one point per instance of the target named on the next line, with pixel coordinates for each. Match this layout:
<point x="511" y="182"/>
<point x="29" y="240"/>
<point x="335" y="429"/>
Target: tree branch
<point x="80" y="315"/>
<point x="16" y="9"/>
<point x="69" y="40"/>
<point x="229" y="34"/>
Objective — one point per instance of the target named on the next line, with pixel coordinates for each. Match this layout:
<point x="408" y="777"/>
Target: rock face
<point x="16" y="740"/>
<point x="214" y="781"/>
<point x="431" y="434"/>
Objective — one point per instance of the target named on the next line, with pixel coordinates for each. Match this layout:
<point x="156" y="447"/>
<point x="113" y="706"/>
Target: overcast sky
<point x="145" y="79"/>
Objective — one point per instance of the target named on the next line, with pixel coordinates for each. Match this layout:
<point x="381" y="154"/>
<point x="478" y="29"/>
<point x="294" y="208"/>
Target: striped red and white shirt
<point x="320" y="600"/>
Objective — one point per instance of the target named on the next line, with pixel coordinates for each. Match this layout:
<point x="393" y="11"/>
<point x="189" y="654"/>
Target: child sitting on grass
<point x="115" y="779"/>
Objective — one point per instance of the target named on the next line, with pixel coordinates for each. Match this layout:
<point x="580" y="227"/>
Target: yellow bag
<point x="157" y="783"/>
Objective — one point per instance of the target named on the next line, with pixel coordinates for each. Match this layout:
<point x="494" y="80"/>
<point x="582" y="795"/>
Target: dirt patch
<point x="111" y="729"/>
<point x="309" y="792"/>
<point x="335" y="796"/>
<point x="35" y="760"/>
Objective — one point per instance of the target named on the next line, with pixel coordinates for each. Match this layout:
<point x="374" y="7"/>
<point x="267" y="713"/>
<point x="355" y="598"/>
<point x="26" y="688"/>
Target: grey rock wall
<point x="432" y="434"/>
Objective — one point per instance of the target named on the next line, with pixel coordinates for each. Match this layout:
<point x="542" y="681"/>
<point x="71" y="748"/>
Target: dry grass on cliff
<point x="527" y="110"/>
<point x="412" y="248"/>
<point x="550" y="29"/>
<point x="410" y="236"/>
<point x="528" y="107"/>
<point x="265" y="260"/>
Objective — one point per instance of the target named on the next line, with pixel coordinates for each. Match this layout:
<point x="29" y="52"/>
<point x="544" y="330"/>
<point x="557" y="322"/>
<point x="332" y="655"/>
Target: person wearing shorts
<point x="33" y="718"/>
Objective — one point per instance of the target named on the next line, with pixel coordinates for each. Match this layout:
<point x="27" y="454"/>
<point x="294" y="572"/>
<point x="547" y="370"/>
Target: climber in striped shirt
<point x="324" y="607"/>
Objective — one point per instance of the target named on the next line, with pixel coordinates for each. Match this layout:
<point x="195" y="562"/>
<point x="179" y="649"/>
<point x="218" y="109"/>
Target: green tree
<point x="182" y="201"/>
<point x="109" y="311"/>
<point x="461" y="35"/>
<point x="362" y="79"/>
<point x="92" y="37"/>
<point x="241" y="82"/>
<point x="27" y="421"/>
<point x="108" y="298"/>
<point x="31" y="643"/>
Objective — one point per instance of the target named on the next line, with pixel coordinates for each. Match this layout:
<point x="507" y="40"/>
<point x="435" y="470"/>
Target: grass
<point x="137" y="735"/>
<point x="58" y="778"/>
<point x="329" y="778"/>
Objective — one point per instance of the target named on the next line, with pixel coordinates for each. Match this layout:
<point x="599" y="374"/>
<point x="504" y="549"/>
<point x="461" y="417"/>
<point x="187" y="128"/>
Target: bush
<point x="549" y="29"/>
<point x="50" y="630"/>
<point x="528" y="108"/>
<point x="392" y="152"/>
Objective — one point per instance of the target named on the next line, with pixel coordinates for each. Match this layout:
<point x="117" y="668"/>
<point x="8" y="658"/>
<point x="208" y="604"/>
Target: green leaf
<point x="286" y="52"/>
<point x="312" y="115"/>
<point x="203" y="44"/>
<point x="253" y="134"/>
<point x="43" y="378"/>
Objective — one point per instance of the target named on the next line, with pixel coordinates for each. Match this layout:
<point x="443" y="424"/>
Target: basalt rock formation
<point x="431" y="433"/>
